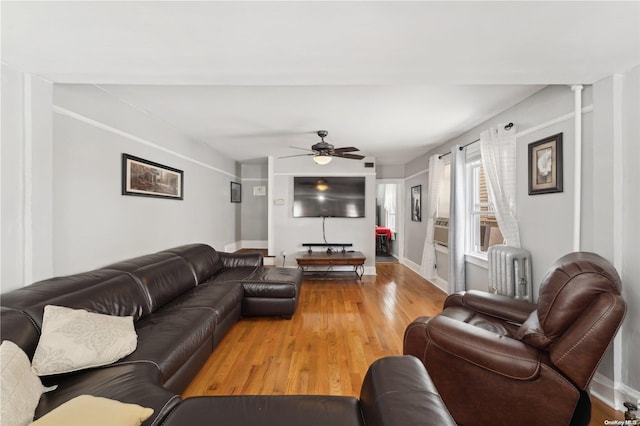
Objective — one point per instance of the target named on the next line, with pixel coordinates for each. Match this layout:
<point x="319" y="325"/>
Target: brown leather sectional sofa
<point x="184" y="301"/>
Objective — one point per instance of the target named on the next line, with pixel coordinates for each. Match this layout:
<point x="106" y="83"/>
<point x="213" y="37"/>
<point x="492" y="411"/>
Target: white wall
<point x="627" y="233"/>
<point x="253" y="229"/>
<point x="415" y="232"/>
<point x="93" y="223"/>
<point x="546" y="221"/>
<point x="26" y="224"/>
<point x="288" y="233"/>
<point x="390" y="171"/>
<point x="70" y="178"/>
<point x="629" y="249"/>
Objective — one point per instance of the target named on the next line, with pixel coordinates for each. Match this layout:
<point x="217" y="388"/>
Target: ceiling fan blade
<point x="346" y="149"/>
<point x="304" y="149"/>
<point x="297" y="155"/>
<point x="350" y="156"/>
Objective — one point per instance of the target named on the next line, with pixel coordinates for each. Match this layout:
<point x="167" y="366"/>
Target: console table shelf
<point x="328" y="245"/>
<point x="329" y="260"/>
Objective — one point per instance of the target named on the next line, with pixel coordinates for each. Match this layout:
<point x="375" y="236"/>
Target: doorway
<point x="389" y="220"/>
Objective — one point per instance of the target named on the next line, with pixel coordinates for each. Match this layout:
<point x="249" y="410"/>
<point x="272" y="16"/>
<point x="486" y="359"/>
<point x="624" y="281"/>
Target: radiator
<point x="510" y="272"/>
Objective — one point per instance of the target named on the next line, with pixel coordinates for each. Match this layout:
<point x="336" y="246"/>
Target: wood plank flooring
<point x="339" y="329"/>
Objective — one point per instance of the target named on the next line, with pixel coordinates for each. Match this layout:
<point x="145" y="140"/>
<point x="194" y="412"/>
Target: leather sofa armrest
<point x="415" y="338"/>
<point x="397" y="391"/>
<point x="454" y="299"/>
<point x="498" y="306"/>
<point x="234" y="260"/>
<point x="18" y="327"/>
<point x="507" y="357"/>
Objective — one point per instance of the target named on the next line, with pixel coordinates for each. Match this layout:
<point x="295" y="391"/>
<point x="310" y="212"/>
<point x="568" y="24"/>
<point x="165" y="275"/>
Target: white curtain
<point x="433" y="189"/>
<point x="390" y="198"/>
<point x="498" y="150"/>
<point x="457" y="220"/>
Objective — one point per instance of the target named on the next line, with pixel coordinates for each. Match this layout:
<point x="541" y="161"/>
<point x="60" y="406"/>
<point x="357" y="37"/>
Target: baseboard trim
<point x="441" y="283"/>
<point x="438" y="282"/>
<point x="237" y="245"/>
<point x="611" y="393"/>
<point x="231" y="247"/>
<point x="603" y="388"/>
<point x="411" y="265"/>
<point x="256" y="244"/>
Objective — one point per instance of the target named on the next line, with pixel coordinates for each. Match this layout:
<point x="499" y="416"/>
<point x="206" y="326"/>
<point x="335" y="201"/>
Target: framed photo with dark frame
<point x="144" y="178"/>
<point x="416" y="203"/>
<point x="545" y="165"/>
<point x="236" y="192"/>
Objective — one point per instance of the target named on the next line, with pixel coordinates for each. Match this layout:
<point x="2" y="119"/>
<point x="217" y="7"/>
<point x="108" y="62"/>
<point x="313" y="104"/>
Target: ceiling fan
<point x="323" y="151"/>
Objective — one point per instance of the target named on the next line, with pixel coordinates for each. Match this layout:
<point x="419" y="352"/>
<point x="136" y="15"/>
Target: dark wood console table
<point x="329" y="260"/>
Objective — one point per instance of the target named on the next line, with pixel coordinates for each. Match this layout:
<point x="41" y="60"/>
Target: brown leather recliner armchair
<point x="499" y="361"/>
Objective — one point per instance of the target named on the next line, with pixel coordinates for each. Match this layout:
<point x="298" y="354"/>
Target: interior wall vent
<point x="368" y="165"/>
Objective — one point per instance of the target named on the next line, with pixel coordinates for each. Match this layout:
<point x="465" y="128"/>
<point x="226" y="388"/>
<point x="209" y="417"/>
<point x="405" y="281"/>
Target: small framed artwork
<point x="236" y="192"/>
<point x="144" y="178"/>
<point x="545" y="165"/>
<point x="416" y="203"/>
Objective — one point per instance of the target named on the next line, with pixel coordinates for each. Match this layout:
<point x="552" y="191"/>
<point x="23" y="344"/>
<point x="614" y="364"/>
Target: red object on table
<point x="384" y="231"/>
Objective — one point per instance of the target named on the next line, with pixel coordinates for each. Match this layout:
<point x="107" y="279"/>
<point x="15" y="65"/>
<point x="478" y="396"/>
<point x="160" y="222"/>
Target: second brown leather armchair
<point x="496" y="360"/>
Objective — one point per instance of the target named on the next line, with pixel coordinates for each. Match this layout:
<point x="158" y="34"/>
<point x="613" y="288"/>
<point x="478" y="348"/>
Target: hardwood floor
<point x="338" y="330"/>
<point x="263" y="252"/>
<point x="600" y="412"/>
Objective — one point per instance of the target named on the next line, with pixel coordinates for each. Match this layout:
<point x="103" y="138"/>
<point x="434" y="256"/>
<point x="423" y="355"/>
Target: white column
<point x="270" y="235"/>
<point x="577" y="194"/>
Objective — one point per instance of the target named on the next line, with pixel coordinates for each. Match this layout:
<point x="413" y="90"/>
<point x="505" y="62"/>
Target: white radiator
<point x="510" y="272"/>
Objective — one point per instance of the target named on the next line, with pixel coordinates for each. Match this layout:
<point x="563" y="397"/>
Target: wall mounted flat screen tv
<point x="337" y="196"/>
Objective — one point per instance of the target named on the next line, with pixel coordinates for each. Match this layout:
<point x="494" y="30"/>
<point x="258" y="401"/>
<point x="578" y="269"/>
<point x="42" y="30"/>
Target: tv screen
<point x="328" y="196"/>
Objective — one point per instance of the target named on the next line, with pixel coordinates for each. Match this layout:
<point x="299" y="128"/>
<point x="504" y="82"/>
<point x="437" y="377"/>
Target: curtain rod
<point x="506" y="127"/>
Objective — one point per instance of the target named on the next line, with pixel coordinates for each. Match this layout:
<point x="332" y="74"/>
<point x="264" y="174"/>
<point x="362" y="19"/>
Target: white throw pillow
<point x="87" y="410"/>
<point x="20" y="389"/>
<point x="74" y="339"/>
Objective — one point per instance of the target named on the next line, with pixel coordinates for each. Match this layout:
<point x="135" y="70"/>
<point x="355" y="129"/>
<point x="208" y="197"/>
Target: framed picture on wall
<point x="416" y="203"/>
<point x="144" y="178"/>
<point x="236" y="192"/>
<point x="545" y="165"/>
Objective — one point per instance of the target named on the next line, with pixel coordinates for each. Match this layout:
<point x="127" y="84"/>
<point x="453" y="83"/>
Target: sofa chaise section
<point x="268" y="291"/>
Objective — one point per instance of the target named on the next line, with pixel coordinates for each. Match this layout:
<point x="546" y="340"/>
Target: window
<point x="444" y="192"/>
<point x="390" y="206"/>
<point x="483" y="229"/>
<point x="391" y="221"/>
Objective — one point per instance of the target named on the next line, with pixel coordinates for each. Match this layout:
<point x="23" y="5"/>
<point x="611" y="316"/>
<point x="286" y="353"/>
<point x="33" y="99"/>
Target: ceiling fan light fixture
<point x="322" y="159"/>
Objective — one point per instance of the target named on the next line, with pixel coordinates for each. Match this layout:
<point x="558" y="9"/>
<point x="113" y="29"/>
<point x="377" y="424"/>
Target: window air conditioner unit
<point x="441" y="231"/>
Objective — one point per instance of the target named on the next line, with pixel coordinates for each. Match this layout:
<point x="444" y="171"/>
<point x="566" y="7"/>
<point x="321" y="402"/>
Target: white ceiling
<point x="252" y="78"/>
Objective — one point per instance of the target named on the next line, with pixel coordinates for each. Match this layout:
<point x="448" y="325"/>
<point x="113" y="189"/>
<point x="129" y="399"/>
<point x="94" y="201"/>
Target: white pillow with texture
<point x="20" y="389"/>
<point x="74" y="339"/>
